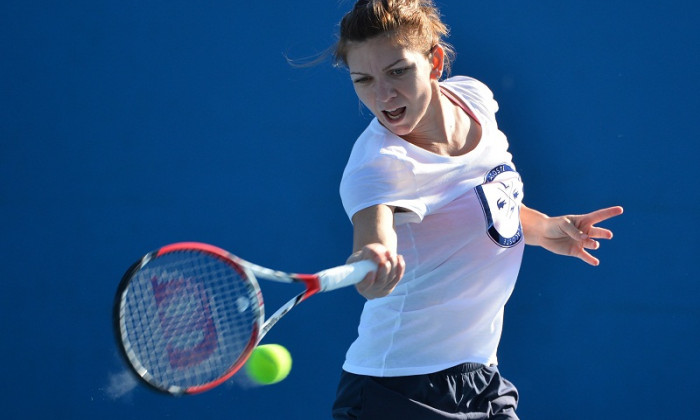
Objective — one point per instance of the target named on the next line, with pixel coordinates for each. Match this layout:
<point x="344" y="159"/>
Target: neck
<point x="442" y="129"/>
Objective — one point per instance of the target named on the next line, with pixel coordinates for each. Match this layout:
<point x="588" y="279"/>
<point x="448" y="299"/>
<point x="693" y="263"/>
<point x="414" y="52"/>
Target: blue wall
<point x="126" y="125"/>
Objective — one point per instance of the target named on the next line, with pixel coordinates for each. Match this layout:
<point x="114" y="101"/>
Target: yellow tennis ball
<point x="269" y="364"/>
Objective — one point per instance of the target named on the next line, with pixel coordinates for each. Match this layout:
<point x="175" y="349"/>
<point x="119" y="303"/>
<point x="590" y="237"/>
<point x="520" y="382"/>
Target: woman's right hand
<point x="390" y="269"/>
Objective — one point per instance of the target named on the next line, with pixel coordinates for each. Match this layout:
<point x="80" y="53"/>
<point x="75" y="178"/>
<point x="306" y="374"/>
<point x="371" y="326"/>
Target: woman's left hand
<point x="570" y="235"/>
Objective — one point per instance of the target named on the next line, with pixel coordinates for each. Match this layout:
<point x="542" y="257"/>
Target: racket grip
<point x="345" y="275"/>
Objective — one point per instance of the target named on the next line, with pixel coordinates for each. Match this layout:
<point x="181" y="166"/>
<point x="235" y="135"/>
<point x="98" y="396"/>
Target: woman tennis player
<point x="436" y="202"/>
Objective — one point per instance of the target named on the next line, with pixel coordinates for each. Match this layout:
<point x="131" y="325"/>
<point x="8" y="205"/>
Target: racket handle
<point x="345" y="275"/>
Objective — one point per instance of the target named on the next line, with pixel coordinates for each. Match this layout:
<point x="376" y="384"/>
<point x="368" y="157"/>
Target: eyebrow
<point x="385" y="68"/>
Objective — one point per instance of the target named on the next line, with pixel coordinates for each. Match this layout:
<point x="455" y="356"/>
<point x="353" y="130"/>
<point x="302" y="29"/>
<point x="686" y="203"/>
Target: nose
<point x="384" y="91"/>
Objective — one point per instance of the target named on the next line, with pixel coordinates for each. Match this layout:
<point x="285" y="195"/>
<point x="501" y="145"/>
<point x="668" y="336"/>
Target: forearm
<point x="375" y="240"/>
<point x="533" y="223"/>
<point x="374" y="225"/>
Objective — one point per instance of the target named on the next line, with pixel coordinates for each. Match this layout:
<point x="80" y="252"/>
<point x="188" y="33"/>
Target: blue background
<point x="126" y="125"/>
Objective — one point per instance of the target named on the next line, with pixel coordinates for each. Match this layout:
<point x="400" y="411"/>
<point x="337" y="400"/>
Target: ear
<point x="437" y="60"/>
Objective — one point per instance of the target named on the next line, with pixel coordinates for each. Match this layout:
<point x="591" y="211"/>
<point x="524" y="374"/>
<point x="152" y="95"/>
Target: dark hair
<point x="413" y="24"/>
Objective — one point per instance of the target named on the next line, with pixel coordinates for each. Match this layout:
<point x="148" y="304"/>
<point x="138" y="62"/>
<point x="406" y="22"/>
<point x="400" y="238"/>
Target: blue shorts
<point x="468" y="391"/>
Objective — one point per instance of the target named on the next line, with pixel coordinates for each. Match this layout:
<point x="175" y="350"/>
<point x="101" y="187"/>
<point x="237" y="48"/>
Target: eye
<point x="361" y="80"/>
<point x="399" y="71"/>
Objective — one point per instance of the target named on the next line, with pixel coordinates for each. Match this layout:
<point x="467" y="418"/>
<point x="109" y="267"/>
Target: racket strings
<point x="187" y="318"/>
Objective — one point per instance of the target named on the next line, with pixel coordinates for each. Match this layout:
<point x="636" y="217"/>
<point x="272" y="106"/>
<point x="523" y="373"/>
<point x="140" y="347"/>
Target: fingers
<point x="588" y="258"/>
<point x="574" y="235"/>
<point x="602" y="215"/>
<point x="570" y="229"/>
<point x="390" y="269"/>
<point x="590" y="244"/>
<point x="584" y="241"/>
<point x="586" y="222"/>
<point x="599" y="233"/>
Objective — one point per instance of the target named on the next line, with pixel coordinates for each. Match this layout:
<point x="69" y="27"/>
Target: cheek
<point x="425" y="92"/>
<point x="363" y="96"/>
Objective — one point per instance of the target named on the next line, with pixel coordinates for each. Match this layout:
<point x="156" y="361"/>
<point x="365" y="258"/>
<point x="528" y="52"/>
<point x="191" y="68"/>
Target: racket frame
<point x="326" y="280"/>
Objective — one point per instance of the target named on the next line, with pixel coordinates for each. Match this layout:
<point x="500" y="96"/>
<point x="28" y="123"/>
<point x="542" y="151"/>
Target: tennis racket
<point x="188" y="315"/>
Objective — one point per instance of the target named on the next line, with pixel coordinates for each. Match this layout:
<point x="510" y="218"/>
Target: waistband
<point x="463" y="368"/>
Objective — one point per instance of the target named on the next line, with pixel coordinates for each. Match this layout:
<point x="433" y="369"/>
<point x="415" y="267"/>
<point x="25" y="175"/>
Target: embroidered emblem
<point x="500" y="197"/>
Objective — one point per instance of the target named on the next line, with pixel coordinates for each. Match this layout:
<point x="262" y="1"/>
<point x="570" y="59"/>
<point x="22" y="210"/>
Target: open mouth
<point x="395" y="114"/>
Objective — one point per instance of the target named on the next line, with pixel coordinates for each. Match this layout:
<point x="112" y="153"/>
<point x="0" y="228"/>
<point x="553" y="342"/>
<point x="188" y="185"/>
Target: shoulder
<point x="375" y="147"/>
<point x="472" y="91"/>
<point x="378" y="171"/>
<point x="467" y="84"/>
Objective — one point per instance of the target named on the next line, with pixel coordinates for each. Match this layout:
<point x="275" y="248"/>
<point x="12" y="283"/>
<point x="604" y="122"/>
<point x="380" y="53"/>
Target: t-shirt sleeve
<point x="384" y="179"/>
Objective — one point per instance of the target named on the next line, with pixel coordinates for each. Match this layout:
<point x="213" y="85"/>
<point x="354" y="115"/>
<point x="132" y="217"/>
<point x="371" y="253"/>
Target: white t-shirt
<point x="460" y="236"/>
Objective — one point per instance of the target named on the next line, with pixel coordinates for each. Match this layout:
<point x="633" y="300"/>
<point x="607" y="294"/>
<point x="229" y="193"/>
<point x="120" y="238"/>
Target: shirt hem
<point x="416" y="370"/>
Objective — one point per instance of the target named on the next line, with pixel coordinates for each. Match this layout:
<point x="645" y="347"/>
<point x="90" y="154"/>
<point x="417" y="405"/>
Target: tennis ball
<point x="269" y="364"/>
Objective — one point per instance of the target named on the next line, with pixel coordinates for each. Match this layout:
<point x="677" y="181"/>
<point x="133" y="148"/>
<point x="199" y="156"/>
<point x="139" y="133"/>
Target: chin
<point x="401" y="133"/>
<point x="400" y="129"/>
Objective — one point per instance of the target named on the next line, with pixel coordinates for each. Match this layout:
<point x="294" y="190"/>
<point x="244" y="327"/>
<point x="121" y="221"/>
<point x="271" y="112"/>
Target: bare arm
<point x="374" y="238"/>
<point x="570" y="235"/>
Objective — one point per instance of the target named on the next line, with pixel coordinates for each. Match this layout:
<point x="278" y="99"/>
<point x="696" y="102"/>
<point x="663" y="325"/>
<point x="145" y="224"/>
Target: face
<point x="397" y="84"/>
